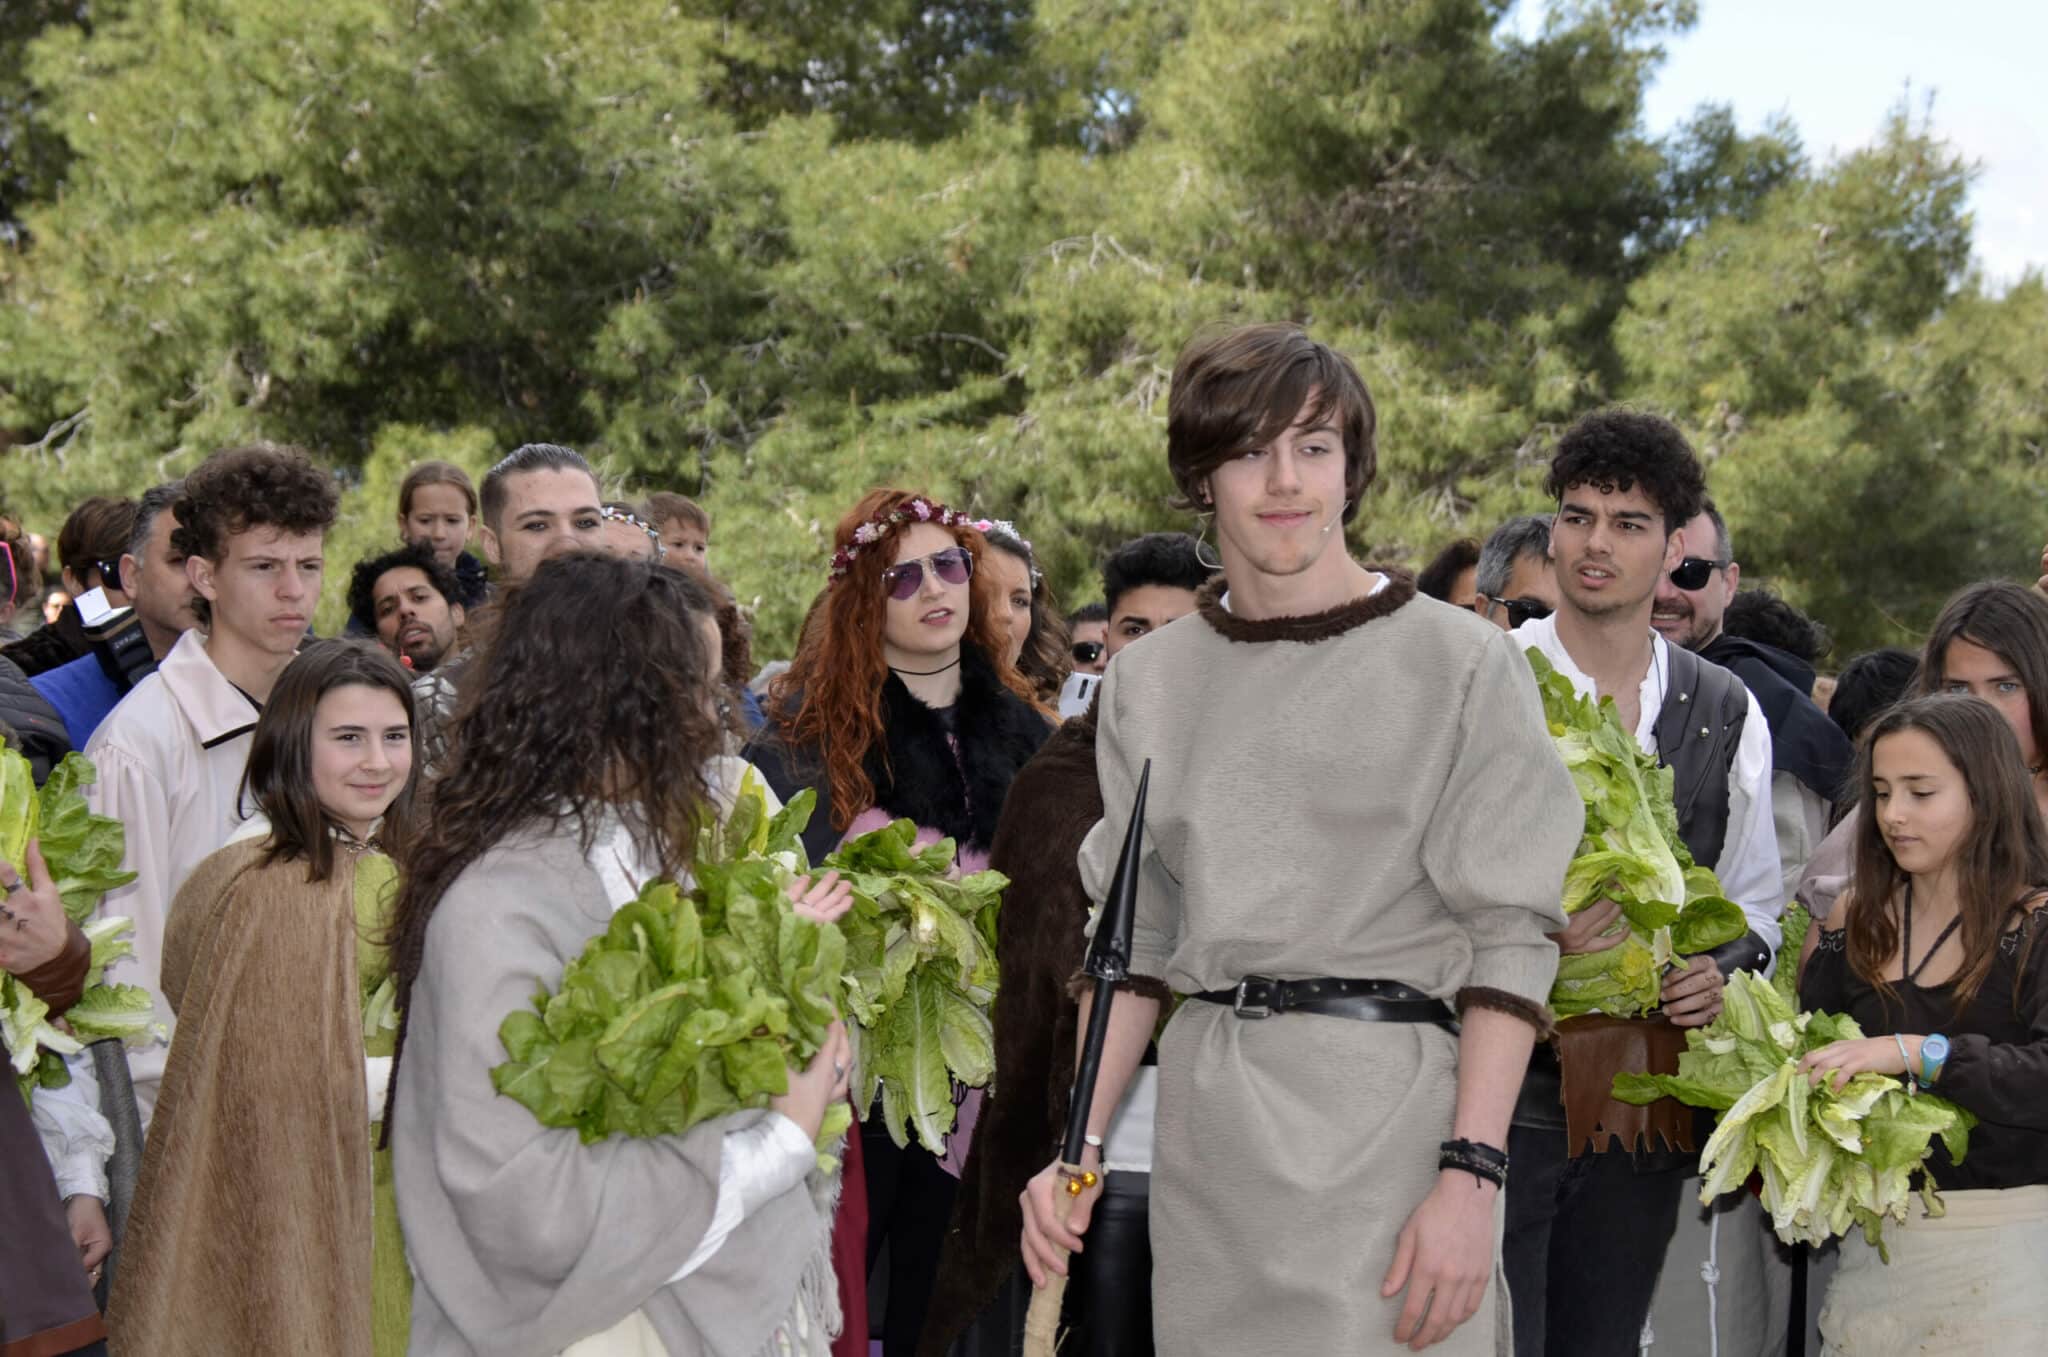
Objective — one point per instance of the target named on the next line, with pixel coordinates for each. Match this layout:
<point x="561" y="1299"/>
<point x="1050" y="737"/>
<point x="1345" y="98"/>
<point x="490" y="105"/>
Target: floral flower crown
<point x="917" y="509"/>
<point x="985" y="526"/>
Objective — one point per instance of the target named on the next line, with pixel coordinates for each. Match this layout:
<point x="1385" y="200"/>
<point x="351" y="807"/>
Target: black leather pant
<point x="1109" y="1297"/>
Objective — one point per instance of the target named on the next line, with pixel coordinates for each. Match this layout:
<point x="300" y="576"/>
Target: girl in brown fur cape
<point x="253" y="1226"/>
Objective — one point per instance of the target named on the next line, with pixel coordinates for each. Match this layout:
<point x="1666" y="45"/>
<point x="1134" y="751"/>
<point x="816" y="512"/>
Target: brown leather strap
<point x="1594" y="1048"/>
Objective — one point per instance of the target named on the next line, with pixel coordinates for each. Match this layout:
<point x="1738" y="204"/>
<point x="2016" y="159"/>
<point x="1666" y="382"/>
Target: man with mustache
<point x="413" y="601"/>
<point x="1589" y="1220"/>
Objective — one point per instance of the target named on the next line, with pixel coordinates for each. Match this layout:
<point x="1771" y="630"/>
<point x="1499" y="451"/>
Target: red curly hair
<point x="832" y="690"/>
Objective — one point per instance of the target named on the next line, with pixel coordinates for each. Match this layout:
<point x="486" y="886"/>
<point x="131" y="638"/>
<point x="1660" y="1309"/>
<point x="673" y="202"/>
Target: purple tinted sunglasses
<point x="953" y="566"/>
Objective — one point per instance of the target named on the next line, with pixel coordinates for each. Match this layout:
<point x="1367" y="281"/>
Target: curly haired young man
<point x="251" y="525"/>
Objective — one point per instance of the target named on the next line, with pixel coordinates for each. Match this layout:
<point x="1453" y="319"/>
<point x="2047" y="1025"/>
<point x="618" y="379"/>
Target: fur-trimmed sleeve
<point x="1504" y="829"/>
<point x="1537" y="1016"/>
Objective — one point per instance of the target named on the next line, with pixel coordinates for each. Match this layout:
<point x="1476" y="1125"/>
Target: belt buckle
<point x="1245" y="1010"/>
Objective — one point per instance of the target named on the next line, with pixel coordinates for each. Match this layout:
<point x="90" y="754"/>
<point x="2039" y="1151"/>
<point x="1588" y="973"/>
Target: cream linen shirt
<point x="170" y="759"/>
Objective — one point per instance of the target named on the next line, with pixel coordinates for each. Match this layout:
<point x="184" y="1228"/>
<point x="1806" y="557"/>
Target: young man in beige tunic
<point x="1356" y="820"/>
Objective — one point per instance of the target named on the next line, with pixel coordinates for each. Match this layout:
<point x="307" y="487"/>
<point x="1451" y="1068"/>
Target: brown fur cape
<point x="251" y="1225"/>
<point x="1053" y="803"/>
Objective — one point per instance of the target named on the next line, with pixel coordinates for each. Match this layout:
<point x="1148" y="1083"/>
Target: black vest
<point x="1698" y="730"/>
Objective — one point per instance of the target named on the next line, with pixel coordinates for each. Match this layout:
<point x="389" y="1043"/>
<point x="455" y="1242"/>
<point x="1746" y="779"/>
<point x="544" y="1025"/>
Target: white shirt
<point x="761" y="1161"/>
<point x="1748" y="865"/>
<point x="170" y="758"/>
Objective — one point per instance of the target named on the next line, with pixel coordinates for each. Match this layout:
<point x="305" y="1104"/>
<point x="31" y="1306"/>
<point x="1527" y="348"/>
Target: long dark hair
<point x="279" y="776"/>
<point x="2002" y="860"/>
<point x="2010" y="621"/>
<point x="586" y="695"/>
<point x="1047" y="657"/>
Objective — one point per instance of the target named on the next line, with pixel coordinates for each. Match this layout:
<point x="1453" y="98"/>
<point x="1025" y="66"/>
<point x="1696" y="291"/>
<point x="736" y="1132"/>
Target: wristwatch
<point x="1933" y="1054"/>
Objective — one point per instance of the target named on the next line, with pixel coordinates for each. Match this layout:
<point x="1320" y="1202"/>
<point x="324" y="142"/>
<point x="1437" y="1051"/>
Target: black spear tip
<point x="1109" y="952"/>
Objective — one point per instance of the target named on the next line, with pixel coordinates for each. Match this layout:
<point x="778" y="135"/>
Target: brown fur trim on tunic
<point x="1536" y="1015"/>
<point x="1081" y="984"/>
<point x="250" y="1230"/>
<point x="1053" y="803"/>
<point x="1315" y="627"/>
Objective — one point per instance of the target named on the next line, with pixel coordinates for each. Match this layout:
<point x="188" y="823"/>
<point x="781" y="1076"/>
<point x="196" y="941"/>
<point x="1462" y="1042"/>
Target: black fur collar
<point x="915" y="772"/>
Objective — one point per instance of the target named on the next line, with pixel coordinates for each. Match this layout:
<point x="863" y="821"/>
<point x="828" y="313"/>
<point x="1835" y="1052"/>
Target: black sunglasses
<point x="1522" y="610"/>
<point x="1087" y="652"/>
<point x="1694" y="571"/>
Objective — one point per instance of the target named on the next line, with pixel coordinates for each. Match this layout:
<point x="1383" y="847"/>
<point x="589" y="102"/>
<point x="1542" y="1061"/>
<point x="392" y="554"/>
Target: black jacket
<point x="52" y="644"/>
<point x="915" y="770"/>
<point x="1804" y="742"/>
<point x="31" y="725"/>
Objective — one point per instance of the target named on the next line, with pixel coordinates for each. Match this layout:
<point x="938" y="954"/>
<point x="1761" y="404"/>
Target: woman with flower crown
<point x="901" y="702"/>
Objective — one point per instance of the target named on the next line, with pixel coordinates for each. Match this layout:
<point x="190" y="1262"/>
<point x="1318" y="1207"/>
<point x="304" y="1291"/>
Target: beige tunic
<point x="1368" y="794"/>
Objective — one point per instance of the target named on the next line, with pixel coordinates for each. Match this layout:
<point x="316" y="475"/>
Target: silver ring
<point x="16" y="885"/>
<point x="838" y="1069"/>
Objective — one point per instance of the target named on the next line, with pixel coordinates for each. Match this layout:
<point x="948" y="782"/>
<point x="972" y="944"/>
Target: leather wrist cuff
<point x="59" y="981"/>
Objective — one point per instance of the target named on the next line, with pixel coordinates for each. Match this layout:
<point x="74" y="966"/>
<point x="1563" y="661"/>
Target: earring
<point x="1205" y="553"/>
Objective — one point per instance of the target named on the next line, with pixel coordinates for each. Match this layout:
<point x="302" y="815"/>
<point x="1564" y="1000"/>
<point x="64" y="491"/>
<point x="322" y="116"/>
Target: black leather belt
<point x="1256" y="996"/>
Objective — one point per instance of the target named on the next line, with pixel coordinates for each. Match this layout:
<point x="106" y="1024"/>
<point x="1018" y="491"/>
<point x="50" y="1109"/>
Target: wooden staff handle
<point x="1042" y="1321"/>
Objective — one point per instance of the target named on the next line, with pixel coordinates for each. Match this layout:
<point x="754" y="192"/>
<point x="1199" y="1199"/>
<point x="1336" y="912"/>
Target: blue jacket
<point x="82" y="694"/>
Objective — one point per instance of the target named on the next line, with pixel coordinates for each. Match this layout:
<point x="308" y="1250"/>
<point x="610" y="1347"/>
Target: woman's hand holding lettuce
<point x="82" y="852"/>
<point x="1829" y="1159"/>
<point x="1631" y="855"/>
<point x="921" y="976"/>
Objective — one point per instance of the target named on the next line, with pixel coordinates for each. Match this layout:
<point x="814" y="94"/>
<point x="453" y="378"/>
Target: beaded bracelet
<point x="1481" y="1161"/>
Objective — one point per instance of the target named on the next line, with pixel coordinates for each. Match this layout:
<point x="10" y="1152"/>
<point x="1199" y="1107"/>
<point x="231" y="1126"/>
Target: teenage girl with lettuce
<point x="1933" y="950"/>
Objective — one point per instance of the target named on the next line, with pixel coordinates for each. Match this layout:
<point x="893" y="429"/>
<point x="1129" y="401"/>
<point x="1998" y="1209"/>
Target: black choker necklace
<point x="925" y="673"/>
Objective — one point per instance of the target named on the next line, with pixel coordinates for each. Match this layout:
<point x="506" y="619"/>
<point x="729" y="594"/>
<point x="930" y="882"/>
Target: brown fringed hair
<point x="2010" y="621"/>
<point x="1236" y="390"/>
<point x="279" y="776"/>
<point x="1047" y="657"/>
<point x="586" y="695"/>
<point x="2002" y="861"/>
<point x="831" y="694"/>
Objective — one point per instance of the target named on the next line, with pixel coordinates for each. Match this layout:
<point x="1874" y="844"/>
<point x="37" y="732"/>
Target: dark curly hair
<point x="1173" y="559"/>
<point x="262" y="486"/>
<point x="1444" y="568"/>
<point x="585" y="697"/>
<point x="1760" y="615"/>
<point x="362" y="581"/>
<point x="1616" y="449"/>
<point x="1868" y="684"/>
<point x="1046" y="659"/>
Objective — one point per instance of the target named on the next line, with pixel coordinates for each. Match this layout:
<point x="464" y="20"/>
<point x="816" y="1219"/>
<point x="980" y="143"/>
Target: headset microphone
<point x="1335" y="521"/>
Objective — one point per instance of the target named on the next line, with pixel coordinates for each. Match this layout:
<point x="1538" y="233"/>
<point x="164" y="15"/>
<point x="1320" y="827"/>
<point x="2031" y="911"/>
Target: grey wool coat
<point x="524" y="1239"/>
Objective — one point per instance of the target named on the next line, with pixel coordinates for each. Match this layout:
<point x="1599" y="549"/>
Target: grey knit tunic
<point x="1369" y="793"/>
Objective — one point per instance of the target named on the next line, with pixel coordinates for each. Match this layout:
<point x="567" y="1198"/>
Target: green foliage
<point x="1829" y="1160"/>
<point x="691" y="1004"/>
<point x="773" y="253"/>
<point x="921" y="977"/>
<point x="82" y="852"/>
<point x="1631" y="854"/>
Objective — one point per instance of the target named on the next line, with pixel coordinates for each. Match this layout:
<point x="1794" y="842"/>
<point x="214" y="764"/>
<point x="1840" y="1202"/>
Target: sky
<point x="1838" y="66"/>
